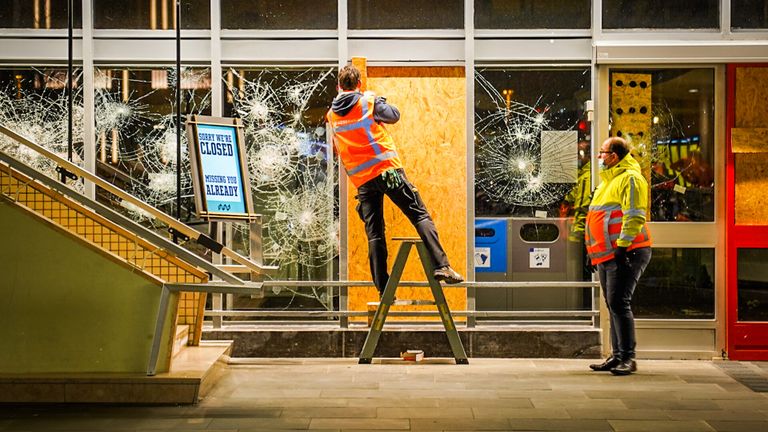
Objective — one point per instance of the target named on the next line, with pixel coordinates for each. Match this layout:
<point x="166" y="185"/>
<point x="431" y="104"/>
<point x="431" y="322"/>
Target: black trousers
<point x="618" y="281"/>
<point x="370" y="207"/>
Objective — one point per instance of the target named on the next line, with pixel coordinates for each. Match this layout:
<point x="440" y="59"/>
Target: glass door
<point x="747" y="226"/>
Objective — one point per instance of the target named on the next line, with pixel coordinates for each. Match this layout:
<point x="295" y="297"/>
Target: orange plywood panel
<point x="431" y="140"/>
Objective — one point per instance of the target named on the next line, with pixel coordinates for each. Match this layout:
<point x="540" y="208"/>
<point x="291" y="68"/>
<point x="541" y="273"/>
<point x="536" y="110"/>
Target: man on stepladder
<point x="370" y="158"/>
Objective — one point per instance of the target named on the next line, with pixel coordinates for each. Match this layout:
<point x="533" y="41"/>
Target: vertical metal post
<point x="70" y="73"/>
<point x="343" y="237"/>
<point x="216" y="298"/>
<point x="178" y="113"/>
<point x="469" y="72"/>
<point x="89" y="130"/>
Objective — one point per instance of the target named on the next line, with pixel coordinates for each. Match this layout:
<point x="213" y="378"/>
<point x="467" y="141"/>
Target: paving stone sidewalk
<point x="487" y="394"/>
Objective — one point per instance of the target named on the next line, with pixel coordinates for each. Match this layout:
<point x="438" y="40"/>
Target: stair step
<point x="180" y="339"/>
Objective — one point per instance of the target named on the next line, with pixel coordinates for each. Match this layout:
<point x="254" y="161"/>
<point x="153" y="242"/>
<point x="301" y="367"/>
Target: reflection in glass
<point x="749" y="14"/>
<point x="667" y="115"/>
<point x="661" y="14"/>
<point x="406" y="14"/>
<point x="532" y="14"/>
<point x="136" y="132"/>
<point x="528" y="124"/>
<point x="39" y="14"/>
<point x="293" y="181"/>
<point x="279" y="14"/>
<point x="752" y="276"/>
<point x="150" y="14"/>
<point x="677" y="284"/>
<point x="33" y="102"/>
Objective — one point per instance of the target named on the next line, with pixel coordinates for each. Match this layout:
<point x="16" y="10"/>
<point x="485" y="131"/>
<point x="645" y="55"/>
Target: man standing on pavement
<point x="619" y="244"/>
<point x="370" y="158"/>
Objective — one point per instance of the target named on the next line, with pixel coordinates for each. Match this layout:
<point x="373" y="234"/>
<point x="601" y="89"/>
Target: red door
<point x="747" y="214"/>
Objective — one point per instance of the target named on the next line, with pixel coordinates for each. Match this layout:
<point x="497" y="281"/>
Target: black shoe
<point x="447" y="275"/>
<point x="625" y="367"/>
<point x="605" y="366"/>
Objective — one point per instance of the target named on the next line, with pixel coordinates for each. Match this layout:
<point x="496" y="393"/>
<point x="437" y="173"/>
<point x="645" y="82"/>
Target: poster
<point x="222" y="178"/>
<point x="538" y="258"/>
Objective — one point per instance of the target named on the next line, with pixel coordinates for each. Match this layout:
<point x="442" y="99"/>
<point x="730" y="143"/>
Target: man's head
<point x="613" y="151"/>
<point x="349" y="78"/>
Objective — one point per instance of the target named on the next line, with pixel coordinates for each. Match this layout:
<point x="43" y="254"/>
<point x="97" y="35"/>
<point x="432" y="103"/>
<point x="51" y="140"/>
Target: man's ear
<point x="359" y="86"/>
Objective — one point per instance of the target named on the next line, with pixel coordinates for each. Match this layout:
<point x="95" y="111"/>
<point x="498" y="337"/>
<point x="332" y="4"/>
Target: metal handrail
<point x="121" y="220"/>
<point x="158" y="214"/>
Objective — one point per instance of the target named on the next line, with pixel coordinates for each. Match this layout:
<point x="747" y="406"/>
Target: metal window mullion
<point x="469" y="75"/>
<point x="89" y="98"/>
<point x="597" y="19"/>
<point x="725" y="19"/>
<point x="216" y="73"/>
<point x="343" y="54"/>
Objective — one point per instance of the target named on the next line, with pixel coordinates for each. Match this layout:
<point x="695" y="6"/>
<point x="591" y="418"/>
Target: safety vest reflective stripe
<point x="365" y="147"/>
<point x="603" y="229"/>
<point x="371" y="162"/>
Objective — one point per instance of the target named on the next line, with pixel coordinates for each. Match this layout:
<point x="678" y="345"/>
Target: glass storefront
<point x="533" y="14"/>
<point x="752" y="287"/>
<point x="661" y="14"/>
<point x="677" y="284"/>
<point x="278" y="14"/>
<point x="405" y="14"/>
<point x="150" y="15"/>
<point x="749" y="14"/>
<point x="667" y="115"/>
<point x="39" y="14"/>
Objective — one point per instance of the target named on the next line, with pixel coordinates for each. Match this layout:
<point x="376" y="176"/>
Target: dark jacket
<point x="382" y="111"/>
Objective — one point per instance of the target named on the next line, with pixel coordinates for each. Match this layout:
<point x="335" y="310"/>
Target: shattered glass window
<point x="667" y="116"/>
<point x="405" y="14"/>
<point x="33" y="103"/>
<point x="150" y="14"/>
<point x="749" y="14"/>
<point x="531" y="140"/>
<point x="279" y="14"/>
<point x="136" y="133"/>
<point x="661" y="14"/>
<point x="293" y="176"/>
<point x="533" y="14"/>
<point x="39" y="14"/>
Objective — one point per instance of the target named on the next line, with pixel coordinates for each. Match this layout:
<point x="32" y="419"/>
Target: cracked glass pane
<point x="293" y="176"/>
<point x="33" y="102"/>
<point x="528" y="128"/>
<point x="136" y="146"/>
<point x="667" y="116"/>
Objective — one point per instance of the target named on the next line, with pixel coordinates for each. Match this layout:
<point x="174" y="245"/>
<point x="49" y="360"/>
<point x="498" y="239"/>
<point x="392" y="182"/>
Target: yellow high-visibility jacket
<point x="617" y="213"/>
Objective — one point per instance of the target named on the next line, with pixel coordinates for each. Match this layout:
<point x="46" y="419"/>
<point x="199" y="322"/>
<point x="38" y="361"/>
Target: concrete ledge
<point x="192" y="373"/>
<point x="502" y="342"/>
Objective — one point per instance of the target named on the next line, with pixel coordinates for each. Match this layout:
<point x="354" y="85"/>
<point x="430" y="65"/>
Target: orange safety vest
<point x="602" y="229"/>
<point x="364" y="146"/>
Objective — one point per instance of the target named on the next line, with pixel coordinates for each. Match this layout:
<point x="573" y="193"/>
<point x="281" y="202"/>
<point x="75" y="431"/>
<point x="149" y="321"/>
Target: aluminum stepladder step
<point x="366" y="355"/>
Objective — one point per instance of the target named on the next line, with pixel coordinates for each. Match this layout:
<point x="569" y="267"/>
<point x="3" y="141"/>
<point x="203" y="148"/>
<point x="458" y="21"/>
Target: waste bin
<point x="491" y="262"/>
<point x="536" y="249"/>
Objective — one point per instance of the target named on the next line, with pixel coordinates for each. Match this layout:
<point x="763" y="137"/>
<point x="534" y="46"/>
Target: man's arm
<point x="384" y="112"/>
<point x="633" y="205"/>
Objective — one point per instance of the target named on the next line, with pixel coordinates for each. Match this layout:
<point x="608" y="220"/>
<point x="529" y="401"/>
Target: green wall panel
<point x="66" y="307"/>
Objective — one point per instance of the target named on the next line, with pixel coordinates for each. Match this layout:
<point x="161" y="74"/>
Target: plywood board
<point x="631" y="116"/>
<point x="430" y="137"/>
<point x="750" y="140"/>
<point x="751" y="184"/>
<point x="751" y="97"/>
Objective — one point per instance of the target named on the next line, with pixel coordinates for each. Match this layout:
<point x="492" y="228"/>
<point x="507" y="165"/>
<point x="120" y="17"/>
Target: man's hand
<point x="392" y="179"/>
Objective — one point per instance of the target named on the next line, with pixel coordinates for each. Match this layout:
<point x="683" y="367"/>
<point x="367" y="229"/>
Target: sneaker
<point x="448" y="275"/>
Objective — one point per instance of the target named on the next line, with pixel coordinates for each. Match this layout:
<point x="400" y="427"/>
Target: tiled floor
<point x="488" y="394"/>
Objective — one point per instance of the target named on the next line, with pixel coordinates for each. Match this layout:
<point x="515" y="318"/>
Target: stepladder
<point x="388" y="299"/>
